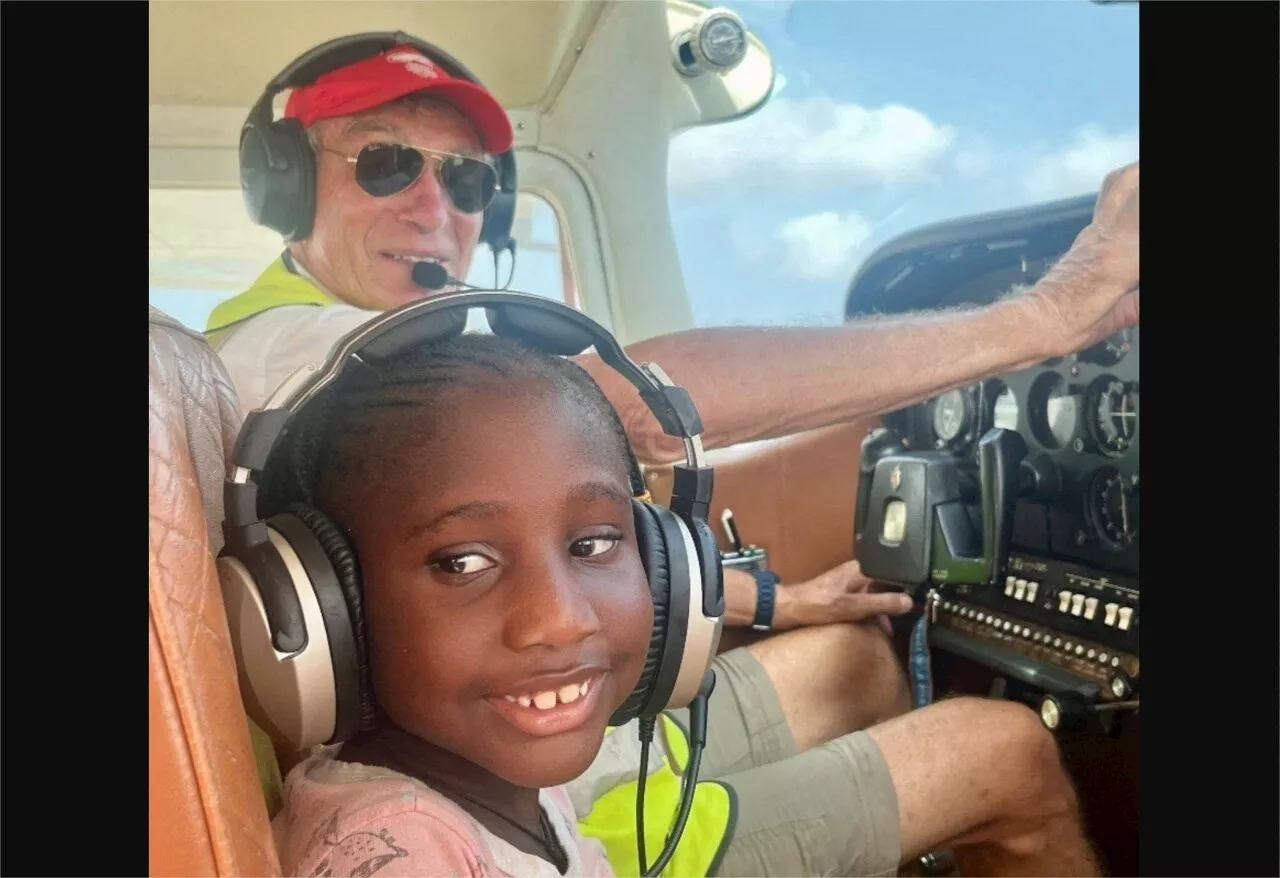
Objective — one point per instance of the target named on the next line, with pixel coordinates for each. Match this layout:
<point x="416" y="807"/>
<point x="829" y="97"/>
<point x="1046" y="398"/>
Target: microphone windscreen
<point x="430" y="275"/>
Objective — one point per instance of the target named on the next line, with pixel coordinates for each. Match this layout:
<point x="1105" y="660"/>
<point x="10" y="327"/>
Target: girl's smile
<point x="551" y="705"/>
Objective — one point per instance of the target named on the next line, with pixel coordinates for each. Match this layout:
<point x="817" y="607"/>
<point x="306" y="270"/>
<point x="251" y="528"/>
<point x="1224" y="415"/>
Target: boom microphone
<point x="430" y="275"/>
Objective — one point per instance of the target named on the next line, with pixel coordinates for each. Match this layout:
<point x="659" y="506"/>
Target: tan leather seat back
<point x="794" y="496"/>
<point x="207" y="812"/>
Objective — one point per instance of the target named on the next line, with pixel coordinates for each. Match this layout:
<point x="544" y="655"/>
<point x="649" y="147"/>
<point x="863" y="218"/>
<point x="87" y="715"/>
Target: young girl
<point x="485" y="490"/>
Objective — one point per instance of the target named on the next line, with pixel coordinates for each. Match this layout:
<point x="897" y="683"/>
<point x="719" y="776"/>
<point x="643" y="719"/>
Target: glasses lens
<point x="470" y="183"/>
<point x="384" y="169"/>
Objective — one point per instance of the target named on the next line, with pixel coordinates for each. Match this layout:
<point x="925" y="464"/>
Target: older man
<point x="813" y="796"/>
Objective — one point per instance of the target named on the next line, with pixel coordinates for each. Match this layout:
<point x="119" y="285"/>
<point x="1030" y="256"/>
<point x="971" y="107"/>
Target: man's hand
<point x="843" y="594"/>
<point x="1092" y="292"/>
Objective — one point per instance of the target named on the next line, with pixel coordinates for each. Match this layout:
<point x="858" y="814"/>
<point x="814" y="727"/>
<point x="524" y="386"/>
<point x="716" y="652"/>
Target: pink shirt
<point x="344" y="819"/>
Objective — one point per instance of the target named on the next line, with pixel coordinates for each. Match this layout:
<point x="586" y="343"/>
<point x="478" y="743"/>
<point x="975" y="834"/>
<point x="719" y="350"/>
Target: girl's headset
<point x="291" y="583"/>
<point x="278" y="163"/>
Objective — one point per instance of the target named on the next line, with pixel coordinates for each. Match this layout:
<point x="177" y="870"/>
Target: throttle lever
<point x="1000" y="455"/>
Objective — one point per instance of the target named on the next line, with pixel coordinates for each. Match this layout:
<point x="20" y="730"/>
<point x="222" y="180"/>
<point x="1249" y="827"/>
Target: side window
<point x="203" y="250"/>
<point x="543" y="264"/>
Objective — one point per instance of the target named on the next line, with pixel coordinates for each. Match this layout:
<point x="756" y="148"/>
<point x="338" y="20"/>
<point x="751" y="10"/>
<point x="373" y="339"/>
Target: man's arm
<point x="759" y="383"/>
<point x="842" y="594"/>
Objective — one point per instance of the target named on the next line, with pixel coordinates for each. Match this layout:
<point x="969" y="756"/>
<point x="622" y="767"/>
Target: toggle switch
<point x="1126" y="616"/>
<point x="1009" y="585"/>
<point x="1032" y="588"/>
<point x="1090" y="608"/>
<point x="1064" y="601"/>
<point x="1019" y="589"/>
<point x="1077" y="604"/>
<point x="1111" y="614"/>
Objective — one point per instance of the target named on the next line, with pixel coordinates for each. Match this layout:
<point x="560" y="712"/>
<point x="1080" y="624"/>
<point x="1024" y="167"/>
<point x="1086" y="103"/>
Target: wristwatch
<point x="766" y="598"/>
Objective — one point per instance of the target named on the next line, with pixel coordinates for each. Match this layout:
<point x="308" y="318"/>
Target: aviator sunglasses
<point x="386" y="169"/>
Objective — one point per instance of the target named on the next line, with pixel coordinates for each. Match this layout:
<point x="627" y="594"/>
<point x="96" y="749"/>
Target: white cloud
<point x="813" y="143"/>
<point x="1081" y="166"/>
<point x="822" y="246"/>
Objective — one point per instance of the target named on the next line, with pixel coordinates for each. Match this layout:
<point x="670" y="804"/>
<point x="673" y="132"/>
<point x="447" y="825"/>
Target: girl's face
<point x="507" y="611"/>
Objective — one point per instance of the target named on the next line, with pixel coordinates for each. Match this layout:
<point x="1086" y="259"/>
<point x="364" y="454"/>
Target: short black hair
<point x="331" y="439"/>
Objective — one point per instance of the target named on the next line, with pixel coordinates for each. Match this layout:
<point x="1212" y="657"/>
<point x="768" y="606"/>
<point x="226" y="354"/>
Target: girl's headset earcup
<point x="666" y="562"/>
<point x="311" y="693"/>
<point x="357" y="714"/>
<point x="653" y="557"/>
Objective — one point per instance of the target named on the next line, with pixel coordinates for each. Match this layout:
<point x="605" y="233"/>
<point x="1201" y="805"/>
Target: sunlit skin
<point x="354" y="233"/>
<point x="493" y="562"/>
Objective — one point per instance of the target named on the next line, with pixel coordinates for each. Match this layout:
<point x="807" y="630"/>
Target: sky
<point x="887" y="115"/>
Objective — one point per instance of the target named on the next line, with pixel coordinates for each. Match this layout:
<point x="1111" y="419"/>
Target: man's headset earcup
<point x="278" y="177"/>
<point x="318" y="694"/>
<point x="663" y="552"/>
<point x="500" y="215"/>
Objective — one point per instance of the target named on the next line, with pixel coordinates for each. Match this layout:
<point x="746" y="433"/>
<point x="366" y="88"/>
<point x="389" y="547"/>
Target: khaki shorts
<point x="831" y="810"/>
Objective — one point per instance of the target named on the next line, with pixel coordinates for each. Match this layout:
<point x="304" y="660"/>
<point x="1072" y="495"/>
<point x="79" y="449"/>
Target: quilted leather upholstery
<point x="207" y="812"/>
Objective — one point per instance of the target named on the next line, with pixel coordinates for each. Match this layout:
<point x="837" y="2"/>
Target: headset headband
<point x="538" y="322"/>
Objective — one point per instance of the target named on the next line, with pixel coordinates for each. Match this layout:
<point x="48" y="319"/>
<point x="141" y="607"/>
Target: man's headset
<point x="278" y="163"/>
<point x="291" y="583"/>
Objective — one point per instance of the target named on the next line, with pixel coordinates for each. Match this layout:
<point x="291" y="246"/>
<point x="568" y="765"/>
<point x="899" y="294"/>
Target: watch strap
<point x="766" y="599"/>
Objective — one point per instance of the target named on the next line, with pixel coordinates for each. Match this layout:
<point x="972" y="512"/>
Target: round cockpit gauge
<point x="1112" y="507"/>
<point x="1113" y="414"/>
<point x="951" y="416"/>
<point x="1110" y="350"/>
<point x="1005" y="411"/>
<point x="718" y="41"/>
<point x="1053" y="411"/>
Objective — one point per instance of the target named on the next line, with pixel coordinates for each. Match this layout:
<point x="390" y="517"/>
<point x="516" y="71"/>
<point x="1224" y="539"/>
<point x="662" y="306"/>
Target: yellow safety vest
<point x="612" y="819"/>
<point x="274" y="288"/>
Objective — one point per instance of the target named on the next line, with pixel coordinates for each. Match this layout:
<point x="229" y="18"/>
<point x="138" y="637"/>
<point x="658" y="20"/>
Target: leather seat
<point x="208" y="814"/>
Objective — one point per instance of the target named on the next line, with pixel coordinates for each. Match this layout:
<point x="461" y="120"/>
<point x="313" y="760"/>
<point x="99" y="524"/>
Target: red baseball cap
<point x="399" y="71"/>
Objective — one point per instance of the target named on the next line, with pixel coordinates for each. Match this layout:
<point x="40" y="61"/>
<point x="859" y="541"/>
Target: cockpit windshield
<point x="886" y="117"/>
